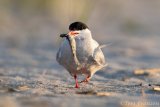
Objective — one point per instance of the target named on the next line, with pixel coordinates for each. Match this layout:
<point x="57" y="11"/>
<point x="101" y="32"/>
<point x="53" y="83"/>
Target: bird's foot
<point x="85" y="81"/>
<point x="77" y="85"/>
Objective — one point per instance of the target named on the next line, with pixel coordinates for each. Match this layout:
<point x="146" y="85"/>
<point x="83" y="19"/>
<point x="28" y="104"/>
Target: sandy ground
<point x="31" y="77"/>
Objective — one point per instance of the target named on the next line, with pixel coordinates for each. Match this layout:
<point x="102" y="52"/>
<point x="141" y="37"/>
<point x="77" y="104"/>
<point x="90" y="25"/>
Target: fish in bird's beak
<point x="72" y="43"/>
<point x="63" y="35"/>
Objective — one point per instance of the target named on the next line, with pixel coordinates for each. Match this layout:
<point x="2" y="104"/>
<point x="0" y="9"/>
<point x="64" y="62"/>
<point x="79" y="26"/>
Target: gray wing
<point x="58" y="56"/>
<point x="98" y="56"/>
<point x="63" y="52"/>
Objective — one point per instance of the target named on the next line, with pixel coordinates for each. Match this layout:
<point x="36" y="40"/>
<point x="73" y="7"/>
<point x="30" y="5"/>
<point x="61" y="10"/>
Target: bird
<point x="88" y="54"/>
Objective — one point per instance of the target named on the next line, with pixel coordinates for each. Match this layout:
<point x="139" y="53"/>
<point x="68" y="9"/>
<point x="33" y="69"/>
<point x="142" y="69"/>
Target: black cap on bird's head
<point x="77" y="26"/>
<point x="76" y="29"/>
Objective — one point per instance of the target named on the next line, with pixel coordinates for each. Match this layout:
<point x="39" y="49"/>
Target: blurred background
<point x="30" y="29"/>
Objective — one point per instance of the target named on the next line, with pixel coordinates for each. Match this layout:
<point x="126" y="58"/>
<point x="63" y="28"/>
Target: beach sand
<point x="31" y="77"/>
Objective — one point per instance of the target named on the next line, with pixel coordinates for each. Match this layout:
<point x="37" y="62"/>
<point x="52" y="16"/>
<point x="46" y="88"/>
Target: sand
<point x="31" y="77"/>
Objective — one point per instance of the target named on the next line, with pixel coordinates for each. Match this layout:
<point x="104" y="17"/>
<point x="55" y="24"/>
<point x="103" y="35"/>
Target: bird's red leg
<point x="76" y="81"/>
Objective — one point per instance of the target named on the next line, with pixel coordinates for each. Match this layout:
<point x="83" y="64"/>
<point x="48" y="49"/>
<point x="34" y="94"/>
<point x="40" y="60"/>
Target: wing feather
<point x="98" y="56"/>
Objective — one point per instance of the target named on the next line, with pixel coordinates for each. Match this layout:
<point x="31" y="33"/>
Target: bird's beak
<point x="67" y="35"/>
<point x="73" y="33"/>
<point x="70" y="34"/>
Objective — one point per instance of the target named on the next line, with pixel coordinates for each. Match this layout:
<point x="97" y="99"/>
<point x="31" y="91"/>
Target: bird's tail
<point x="105" y="65"/>
<point x="105" y="45"/>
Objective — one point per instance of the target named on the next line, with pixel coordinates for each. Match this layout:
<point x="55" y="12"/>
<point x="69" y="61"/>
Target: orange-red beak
<point x="72" y="33"/>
